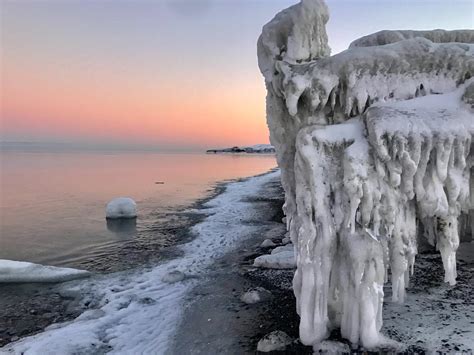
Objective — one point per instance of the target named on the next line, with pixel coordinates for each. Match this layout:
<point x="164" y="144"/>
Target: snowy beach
<point x="192" y="302"/>
<point x="136" y="311"/>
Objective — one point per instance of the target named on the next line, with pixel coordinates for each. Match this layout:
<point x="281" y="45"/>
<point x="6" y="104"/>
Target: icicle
<point x="354" y="190"/>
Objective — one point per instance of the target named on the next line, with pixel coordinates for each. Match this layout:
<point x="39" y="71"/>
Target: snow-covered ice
<point x="24" y="272"/>
<point x="284" y="248"/>
<point x="121" y="207"/>
<point x="374" y="145"/>
<point x="282" y="260"/>
<point x="137" y="312"/>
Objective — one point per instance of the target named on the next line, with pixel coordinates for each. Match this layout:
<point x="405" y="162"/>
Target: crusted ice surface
<point x="121" y="207"/>
<point x="294" y="35"/>
<point x="340" y="271"/>
<point x="436" y="36"/>
<point x="347" y="83"/>
<point x="358" y="199"/>
<point x="374" y="147"/>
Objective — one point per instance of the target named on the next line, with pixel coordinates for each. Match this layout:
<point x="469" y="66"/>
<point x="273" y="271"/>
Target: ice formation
<point x="121" y="207"/>
<point x="23" y="272"/>
<point x="374" y="145"/>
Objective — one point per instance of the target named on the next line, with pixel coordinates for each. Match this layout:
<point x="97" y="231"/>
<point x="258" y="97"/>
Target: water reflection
<point x="122" y="227"/>
<point x="65" y="202"/>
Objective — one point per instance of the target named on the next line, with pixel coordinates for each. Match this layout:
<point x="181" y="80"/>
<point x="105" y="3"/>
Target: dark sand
<point x="216" y="321"/>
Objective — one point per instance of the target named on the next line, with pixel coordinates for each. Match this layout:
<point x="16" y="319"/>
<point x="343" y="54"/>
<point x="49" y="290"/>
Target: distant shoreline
<point x="256" y="149"/>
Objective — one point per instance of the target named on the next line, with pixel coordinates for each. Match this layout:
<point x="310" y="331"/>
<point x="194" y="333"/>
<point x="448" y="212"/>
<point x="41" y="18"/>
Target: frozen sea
<point x="52" y="204"/>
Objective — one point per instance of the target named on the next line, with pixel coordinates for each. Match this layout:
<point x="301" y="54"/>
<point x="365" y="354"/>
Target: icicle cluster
<point x="374" y="144"/>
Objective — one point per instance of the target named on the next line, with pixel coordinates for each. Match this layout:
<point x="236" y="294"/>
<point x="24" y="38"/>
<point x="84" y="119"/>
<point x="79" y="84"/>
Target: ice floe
<point x="25" y="272"/>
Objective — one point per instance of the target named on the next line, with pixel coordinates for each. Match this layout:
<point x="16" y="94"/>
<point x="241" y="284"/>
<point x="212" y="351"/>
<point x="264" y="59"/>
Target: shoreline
<point x="211" y="318"/>
<point x="105" y="296"/>
<point x="216" y="320"/>
<point x="29" y="308"/>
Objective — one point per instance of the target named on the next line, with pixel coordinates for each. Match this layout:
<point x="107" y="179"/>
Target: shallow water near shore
<point x="52" y="204"/>
<point x="137" y="310"/>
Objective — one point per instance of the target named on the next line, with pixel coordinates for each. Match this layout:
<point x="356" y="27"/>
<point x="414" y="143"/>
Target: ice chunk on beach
<point x="331" y="347"/>
<point x="24" y="272"/>
<point x="274" y="341"/>
<point x="121" y="207"/>
<point x="282" y="260"/>
<point x="267" y="243"/>
<point x="284" y="248"/>
<point x="256" y="295"/>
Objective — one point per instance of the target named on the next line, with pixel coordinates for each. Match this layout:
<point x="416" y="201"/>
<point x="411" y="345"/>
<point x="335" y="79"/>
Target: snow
<point x="24" y="272"/>
<point x="346" y="83"/>
<point x="374" y="145"/>
<point x="121" y="207"/>
<point x="274" y="341"/>
<point x="137" y="312"/>
<point x="173" y="276"/>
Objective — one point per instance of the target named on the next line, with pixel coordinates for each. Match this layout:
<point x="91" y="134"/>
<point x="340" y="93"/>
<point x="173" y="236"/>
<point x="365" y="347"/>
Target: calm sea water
<point x="52" y="205"/>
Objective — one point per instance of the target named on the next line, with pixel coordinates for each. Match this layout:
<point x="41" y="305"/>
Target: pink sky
<point x="171" y="73"/>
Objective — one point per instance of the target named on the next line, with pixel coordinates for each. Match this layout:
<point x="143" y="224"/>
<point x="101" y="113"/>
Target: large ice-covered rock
<point x="374" y="145"/>
<point x="121" y="207"/>
<point x="281" y="260"/>
<point x="24" y="272"/>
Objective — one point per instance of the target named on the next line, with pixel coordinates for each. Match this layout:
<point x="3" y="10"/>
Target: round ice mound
<point x="122" y="207"/>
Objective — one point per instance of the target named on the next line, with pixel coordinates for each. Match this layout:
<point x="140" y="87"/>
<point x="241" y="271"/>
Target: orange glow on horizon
<point x="89" y="101"/>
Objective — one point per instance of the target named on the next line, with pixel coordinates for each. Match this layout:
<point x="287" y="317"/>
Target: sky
<point x="172" y="74"/>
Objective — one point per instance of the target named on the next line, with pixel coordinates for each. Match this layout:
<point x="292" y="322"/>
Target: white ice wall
<point x="356" y="191"/>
